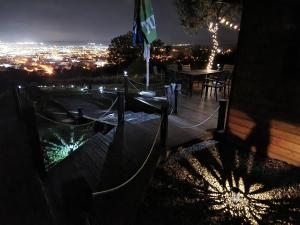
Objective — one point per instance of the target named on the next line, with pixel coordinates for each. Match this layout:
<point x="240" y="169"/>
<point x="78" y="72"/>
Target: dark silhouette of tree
<point x="157" y="46"/>
<point x="209" y="14"/>
<point x="196" y="14"/>
<point x="122" y="52"/>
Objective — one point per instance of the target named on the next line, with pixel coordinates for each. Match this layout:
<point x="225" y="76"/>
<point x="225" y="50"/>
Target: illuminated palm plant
<point x="60" y="147"/>
<point x="236" y="187"/>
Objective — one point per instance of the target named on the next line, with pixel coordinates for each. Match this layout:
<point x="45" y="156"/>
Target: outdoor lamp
<point x="235" y="195"/>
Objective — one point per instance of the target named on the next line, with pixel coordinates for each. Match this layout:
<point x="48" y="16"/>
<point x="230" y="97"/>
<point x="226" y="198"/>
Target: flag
<point x="144" y="27"/>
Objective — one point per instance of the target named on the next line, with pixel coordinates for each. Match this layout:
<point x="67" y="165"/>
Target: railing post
<point x="168" y="94"/>
<point x="125" y="84"/>
<point x="175" y="100"/>
<point x="167" y="87"/>
<point x="121" y="107"/>
<point x="164" y="125"/>
<point x="17" y="95"/>
<point x="222" y="114"/>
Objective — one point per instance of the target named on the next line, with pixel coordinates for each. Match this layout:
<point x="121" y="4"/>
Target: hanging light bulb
<point x="213" y="29"/>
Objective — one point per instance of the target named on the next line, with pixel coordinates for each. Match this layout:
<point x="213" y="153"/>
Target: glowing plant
<point x="235" y="186"/>
<point x="61" y="148"/>
<point x="229" y="193"/>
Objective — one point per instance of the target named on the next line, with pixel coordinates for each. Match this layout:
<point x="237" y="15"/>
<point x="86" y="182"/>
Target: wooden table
<point x="194" y="74"/>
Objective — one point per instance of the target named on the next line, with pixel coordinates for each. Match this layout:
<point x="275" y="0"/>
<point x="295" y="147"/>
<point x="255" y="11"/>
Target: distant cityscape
<point x="46" y="58"/>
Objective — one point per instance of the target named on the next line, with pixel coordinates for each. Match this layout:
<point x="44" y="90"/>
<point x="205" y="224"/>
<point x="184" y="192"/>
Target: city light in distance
<point x="46" y="58"/>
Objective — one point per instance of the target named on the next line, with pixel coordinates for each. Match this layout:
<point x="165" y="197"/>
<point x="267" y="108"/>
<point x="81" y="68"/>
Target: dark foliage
<point x="122" y="52"/>
<point x="195" y="14"/>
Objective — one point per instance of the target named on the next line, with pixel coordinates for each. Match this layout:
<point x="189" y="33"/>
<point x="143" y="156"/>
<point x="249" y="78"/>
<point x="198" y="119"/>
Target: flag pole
<point x="144" y="30"/>
<point x="147" y="67"/>
<point x="147" y="74"/>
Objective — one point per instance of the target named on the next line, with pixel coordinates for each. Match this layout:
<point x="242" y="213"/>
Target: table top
<point x="200" y="72"/>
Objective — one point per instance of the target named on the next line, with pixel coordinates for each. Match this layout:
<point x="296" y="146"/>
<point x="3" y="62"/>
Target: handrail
<point x="80" y="125"/>
<point x="95" y="194"/>
<point x="64" y="124"/>
<point x="152" y="107"/>
<point x="201" y="122"/>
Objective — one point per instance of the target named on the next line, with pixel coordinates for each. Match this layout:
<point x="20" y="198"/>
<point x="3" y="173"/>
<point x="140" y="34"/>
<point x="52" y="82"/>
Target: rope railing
<point x="102" y="97"/>
<point x="202" y="122"/>
<point x="95" y="194"/>
<point x="180" y="92"/>
<point x="134" y="85"/>
<point x="79" y="125"/>
<point x="64" y="124"/>
<point x="108" y="110"/>
<point x="136" y="82"/>
<point x="153" y="85"/>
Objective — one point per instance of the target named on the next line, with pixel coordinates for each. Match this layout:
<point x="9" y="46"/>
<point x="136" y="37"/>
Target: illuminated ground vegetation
<point x="59" y="146"/>
<point x="222" y="186"/>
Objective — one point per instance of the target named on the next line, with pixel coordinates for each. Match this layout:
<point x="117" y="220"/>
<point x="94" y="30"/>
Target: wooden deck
<point x="104" y="162"/>
<point x="193" y="110"/>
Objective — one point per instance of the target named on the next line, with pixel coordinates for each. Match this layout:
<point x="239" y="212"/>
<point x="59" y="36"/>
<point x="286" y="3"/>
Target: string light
<point x="213" y="29"/>
<point x="229" y="24"/>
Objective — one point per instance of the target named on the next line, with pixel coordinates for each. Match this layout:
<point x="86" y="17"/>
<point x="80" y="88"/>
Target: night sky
<point x="91" y="20"/>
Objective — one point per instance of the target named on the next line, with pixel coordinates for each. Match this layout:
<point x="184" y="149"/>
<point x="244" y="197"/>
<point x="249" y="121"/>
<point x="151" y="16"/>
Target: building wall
<point x="264" y="111"/>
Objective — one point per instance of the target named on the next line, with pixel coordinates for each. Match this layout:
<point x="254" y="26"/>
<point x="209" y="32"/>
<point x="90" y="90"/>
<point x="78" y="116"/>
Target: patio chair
<point x="228" y="69"/>
<point x="214" y="83"/>
<point x="171" y="73"/>
<point x="156" y="73"/>
<point x="186" y="68"/>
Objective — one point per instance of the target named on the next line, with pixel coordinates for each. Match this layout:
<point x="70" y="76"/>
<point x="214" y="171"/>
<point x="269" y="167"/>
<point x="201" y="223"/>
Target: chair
<point x="156" y="73"/>
<point x="228" y="69"/>
<point x="171" y="73"/>
<point x="186" y="68"/>
<point x="215" y="83"/>
<point x="172" y="67"/>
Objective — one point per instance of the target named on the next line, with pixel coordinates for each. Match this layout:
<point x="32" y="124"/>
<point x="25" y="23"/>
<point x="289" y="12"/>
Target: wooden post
<point x="168" y="94"/>
<point x="190" y="85"/>
<point x="16" y="92"/>
<point x="121" y="107"/>
<point x="222" y="114"/>
<point x="167" y="91"/>
<point x="164" y="125"/>
<point x="175" y="100"/>
<point x="125" y="85"/>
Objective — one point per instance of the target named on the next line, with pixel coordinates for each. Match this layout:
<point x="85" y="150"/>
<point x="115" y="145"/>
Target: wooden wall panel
<point x="264" y="111"/>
